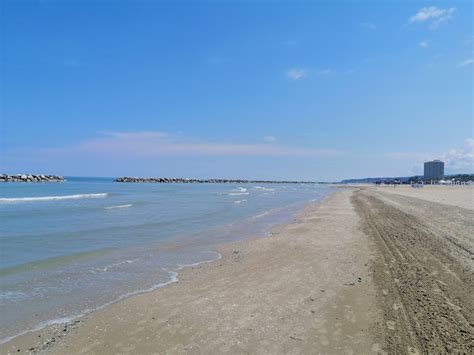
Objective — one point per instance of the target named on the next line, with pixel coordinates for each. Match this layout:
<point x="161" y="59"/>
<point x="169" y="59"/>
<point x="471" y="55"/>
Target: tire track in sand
<point x="424" y="293"/>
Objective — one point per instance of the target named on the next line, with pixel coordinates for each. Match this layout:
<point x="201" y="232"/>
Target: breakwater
<point x="30" y="178"/>
<point x="205" y="181"/>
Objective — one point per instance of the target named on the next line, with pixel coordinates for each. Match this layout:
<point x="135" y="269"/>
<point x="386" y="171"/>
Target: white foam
<point x="240" y="201"/>
<point x="263" y="188"/>
<point x="118" y="206"/>
<point x="182" y="266"/>
<point x="238" y="191"/>
<point x="173" y="278"/>
<point x="42" y="325"/>
<point x="51" y="198"/>
<point x="261" y="214"/>
<point x="106" y="268"/>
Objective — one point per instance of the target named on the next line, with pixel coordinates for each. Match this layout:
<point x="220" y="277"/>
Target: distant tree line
<point x="456" y="178"/>
<point x="407" y="180"/>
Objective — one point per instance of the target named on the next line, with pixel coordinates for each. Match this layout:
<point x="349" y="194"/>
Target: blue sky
<point x="319" y="90"/>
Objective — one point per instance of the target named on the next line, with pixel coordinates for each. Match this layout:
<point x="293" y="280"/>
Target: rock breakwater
<point x="30" y="178"/>
<point x="204" y="181"/>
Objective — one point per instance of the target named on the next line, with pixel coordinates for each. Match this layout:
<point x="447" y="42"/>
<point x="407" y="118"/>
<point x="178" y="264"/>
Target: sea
<point x="68" y="249"/>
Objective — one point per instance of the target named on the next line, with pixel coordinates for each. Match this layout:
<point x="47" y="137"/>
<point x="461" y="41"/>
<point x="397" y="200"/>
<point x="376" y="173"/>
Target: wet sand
<point x="365" y="271"/>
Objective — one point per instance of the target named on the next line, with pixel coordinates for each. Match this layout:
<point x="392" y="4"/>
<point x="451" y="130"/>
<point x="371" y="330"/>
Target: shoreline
<point x="325" y="283"/>
<point x="55" y="333"/>
<point x="74" y="319"/>
<point x="69" y="321"/>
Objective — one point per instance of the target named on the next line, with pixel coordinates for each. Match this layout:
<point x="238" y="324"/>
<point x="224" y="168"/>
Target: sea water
<point x="70" y="248"/>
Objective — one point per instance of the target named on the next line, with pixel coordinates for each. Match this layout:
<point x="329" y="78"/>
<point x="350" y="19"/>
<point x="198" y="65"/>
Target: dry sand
<point x="458" y="196"/>
<point x="424" y="269"/>
<point x="366" y="271"/>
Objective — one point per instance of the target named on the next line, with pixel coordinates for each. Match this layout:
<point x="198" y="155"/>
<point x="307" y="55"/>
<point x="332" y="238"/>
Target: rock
<point x="30" y="178"/>
<point x="204" y="181"/>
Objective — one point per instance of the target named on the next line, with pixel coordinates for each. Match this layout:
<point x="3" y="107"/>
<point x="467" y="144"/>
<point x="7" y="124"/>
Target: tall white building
<point x="434" y="170"/>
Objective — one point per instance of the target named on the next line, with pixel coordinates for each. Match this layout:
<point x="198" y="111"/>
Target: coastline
<point x="270" y="218"/>
<point x="324" y="283"/>
<point x="58" y="338"/>
<point x="150" y="254"/>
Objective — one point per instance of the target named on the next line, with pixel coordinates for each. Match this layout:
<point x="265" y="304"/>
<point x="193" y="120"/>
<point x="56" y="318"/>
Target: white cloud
<point x="369" y="25"/>
<point x="269" y="139"/>
<point x="424" y="44"/>
<point x="459" y="160"/>
<point x="433" y="15"/>
<point x="297" y="73"/>
<point x="148" y="144"/>
<point x="466" y="62"/>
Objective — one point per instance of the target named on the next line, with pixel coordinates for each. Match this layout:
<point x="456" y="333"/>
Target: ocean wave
<point x="263" y="188"/>
<point x="173" y="277"/>
<point x="236" y="192"/>
<point x="240" y="201"/>
<point x="12" y="295"/>
<point x="118" y="206"/>
<point x="51" y="198"/>
<point x="182" y="266"/>
<point x="106" y="268"/>
<point x="262" y="214"/>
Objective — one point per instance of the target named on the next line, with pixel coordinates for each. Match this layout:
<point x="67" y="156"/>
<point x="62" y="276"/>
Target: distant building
<point x="434" y="170"/>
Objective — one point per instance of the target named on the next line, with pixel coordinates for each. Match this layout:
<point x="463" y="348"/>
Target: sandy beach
<point x="368" y="270"/>
<point x="237" y="177"/>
